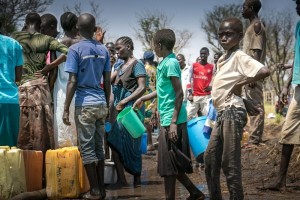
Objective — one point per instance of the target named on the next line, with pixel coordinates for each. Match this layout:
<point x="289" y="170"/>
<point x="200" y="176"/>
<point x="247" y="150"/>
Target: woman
<point x="129" y="83"/>
<point x="64" y="135"/>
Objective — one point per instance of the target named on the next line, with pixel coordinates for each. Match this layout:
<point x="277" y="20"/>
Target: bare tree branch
<point x="13" y="11"/>
<point x="148" y="22"/>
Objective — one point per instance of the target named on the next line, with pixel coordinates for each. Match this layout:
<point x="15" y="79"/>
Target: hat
<point x="148" y="55"/>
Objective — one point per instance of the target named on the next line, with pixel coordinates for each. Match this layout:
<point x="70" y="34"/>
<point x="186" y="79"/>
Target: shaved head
<point x="235" y="24"/>
<point x="86" y="24"/>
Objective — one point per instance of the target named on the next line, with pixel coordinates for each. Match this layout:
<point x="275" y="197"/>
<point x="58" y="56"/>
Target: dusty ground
<point x="260" y="166"/>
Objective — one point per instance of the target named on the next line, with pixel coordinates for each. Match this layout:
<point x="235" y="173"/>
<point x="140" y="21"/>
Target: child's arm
<point x="176" y="83"/>
<point x="139" y="102"/>
<point x="285" y="89"/>
<point x="261" y="74"/>
<point x="71" y="88"/>
<point x="52" y="65"/>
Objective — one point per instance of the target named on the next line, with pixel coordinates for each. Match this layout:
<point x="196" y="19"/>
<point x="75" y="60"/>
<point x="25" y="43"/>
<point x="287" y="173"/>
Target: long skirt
<point x="36" y="118"/>
<point x="128" y="148"/>
<point x="9" y="124"/>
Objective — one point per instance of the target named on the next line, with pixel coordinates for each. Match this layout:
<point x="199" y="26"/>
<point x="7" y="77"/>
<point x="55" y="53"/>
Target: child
<point x="173" y="116"/>
<point x="234" y="69"/>
<point x="89" y="60"/>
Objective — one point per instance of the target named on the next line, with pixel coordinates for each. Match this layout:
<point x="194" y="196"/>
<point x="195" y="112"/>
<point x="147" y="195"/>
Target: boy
<point x="290" y="135"/>
<point x="254" y="44"/>
<point x="87" y="62"/>
<point x="173" y="116"/>
<point x="234" y="70"/>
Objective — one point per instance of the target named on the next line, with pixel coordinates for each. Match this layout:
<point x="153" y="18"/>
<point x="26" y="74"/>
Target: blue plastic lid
<point x="195" y="120"/>
<point x="107" y="126"/>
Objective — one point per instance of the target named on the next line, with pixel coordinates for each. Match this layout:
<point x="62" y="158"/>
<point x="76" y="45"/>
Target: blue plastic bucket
<point x="198" y="140"/>
<point x="144" y="143"/>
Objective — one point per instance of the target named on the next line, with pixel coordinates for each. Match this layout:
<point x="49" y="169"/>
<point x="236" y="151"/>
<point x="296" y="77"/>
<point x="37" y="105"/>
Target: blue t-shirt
<point x="88" y="59"/>
<point x="10" y="57"/>
<point x="296" y="68"/>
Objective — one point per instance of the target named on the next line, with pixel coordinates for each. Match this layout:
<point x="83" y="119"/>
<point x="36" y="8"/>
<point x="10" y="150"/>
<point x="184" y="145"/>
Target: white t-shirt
<point x="230" y="72"/>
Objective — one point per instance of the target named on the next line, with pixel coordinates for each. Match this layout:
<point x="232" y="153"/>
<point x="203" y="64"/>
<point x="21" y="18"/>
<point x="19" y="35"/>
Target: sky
<point x="121" y="17"/>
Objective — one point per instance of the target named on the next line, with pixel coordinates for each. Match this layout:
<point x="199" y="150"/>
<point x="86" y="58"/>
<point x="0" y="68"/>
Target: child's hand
<point x="283" y="95"/>
<point x="138" y="103"/>
<point x="208" y="89"/>
<point x="99" y="34"/>
<point x="66" y="118"/>
<point x="251" y="108"/>
<point x="120" y="106"/>
<point x="173" y="132"/>
<point x="190" y="98"/>
<point x="237" y="90"/>
<point x="38" y="74"/>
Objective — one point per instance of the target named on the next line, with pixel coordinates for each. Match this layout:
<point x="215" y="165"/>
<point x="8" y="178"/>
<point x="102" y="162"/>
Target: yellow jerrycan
<point x="65" y="178"/>
<point x="12" y="173"/>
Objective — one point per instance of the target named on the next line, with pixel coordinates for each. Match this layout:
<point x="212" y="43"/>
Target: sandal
<point x="89" y="196"/>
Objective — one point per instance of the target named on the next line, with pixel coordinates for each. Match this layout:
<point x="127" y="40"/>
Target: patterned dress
<point x="120" y="139"/>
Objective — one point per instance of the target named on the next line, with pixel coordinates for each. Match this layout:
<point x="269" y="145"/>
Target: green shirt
<point x="167" y="68"/>
<point x="35" y="49"/>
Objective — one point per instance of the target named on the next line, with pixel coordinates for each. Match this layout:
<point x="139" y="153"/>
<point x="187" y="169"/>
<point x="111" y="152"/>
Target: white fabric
<point x="185" y="81"/>
<point x="65" y="136"/>
<point x="200" y="103"/>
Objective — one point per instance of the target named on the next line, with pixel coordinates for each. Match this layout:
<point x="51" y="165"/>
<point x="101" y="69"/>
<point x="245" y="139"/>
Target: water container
<point x="17" y="171"/>
<point x="33" y="169"/>
<point x="198" y="140"/>
<point x="5" y="178"/>
<point x="144" y="143"/>
<point x="64" y="173"/>
<point x="132" y="122"/>
<point x="110" y="174"/>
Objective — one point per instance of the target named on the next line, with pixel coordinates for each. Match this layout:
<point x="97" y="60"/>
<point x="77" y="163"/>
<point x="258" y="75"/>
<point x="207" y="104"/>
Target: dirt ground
<point x="259" y="167"/>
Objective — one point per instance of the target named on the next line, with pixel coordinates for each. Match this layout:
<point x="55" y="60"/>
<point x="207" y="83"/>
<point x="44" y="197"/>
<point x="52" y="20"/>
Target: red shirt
<point x="201" y="75"/>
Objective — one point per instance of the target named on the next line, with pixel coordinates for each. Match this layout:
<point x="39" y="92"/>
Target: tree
<point x="148" y="22"/>
<point x="212" y="21"/>
<point x="280" y="37"/>
<point x="95" y="10"/>
<point x="13" y="11"/>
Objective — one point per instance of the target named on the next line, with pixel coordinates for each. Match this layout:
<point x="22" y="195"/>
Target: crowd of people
<point x="59" y="89"/>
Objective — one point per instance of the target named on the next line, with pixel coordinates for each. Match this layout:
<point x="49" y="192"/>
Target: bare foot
<point x="199" y="196"/>
<point x="273" y="187"/>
